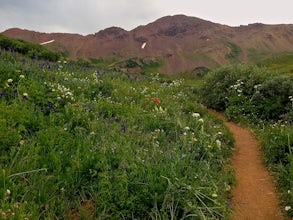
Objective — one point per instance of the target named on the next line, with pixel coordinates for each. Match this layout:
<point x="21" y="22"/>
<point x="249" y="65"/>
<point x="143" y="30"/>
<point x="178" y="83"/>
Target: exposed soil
<point x="254" y="195"/>
<point x="181" y="42"/>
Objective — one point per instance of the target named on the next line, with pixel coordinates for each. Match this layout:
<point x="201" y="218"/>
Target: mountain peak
<point x="181" y="42"/>
<point x="111" y="32"/>
<point x="177" y="25"/>
<point x="180" y="18"/>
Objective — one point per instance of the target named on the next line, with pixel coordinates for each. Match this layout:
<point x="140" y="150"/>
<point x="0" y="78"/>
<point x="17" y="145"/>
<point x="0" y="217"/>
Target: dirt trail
<point x="254" y="195"/>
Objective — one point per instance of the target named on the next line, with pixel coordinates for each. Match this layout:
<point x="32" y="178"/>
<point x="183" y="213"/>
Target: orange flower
<point x="156" y="100"/>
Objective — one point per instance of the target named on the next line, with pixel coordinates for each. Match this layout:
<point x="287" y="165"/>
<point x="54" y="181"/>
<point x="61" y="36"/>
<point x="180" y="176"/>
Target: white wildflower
<point x="195" y="115"/>
<point x="287" y="208"/>
<point x="8" y="192"/>
<point x="218" y="142"/>
<point x="200" y="120"/>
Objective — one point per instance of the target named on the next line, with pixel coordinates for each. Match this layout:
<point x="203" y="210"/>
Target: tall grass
<point x="89" y="143"/>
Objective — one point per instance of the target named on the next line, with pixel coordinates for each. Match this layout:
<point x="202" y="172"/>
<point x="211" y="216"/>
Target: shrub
<point x="251" y="91"/>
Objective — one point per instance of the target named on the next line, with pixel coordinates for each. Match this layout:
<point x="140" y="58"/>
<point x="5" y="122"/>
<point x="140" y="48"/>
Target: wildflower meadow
<point x="78" y="141"/>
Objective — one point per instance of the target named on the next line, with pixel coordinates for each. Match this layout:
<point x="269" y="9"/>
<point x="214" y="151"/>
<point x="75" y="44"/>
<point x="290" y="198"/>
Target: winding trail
<point x="254" y="195"/>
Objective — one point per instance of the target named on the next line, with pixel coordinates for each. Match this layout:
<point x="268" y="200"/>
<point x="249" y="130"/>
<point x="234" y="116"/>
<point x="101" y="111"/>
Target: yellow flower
<point x="214" y="195"/>
<point x="6" y="86"/>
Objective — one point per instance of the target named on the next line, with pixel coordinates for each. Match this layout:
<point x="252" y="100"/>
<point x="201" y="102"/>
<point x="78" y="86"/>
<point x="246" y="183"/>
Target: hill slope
<point x="180" y="42"/>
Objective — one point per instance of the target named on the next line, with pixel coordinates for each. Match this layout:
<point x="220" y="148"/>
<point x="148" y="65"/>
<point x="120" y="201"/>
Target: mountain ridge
<point x="181" y="43"/>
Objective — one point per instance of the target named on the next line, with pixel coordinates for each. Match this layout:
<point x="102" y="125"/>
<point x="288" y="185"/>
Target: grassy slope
<point x="76" y="140"/>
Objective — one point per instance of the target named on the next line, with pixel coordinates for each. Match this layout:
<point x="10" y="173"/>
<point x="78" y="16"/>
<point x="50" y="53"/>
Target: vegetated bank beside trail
<point x="254" y="195"/>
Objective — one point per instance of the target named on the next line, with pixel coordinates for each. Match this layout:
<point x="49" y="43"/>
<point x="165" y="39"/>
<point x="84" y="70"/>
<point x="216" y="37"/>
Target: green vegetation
<point x="282" y="62"/>
<point x="33" y="51"/>
<point x="78" y="141"/>
<point x="258" y="56"/>
<point x="235" y="51"/>
<point x="278" y="61"/>
<point x="263" y="100"/>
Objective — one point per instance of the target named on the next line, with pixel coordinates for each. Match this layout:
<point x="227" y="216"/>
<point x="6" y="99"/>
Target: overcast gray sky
<point x="90" y="16"/>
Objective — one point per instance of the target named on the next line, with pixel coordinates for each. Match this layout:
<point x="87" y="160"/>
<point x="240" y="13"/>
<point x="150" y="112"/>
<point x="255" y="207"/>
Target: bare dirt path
<point x="254" y="195"/>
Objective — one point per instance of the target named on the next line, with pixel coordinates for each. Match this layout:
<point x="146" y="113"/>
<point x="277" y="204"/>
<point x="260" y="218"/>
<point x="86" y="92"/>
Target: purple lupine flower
<point x="48" y="65"/>
<point x="50" y="105"/>
<point x="117" y="120"/>
<point x="25" y="96"/>
<point x="3" y="94"/>
<point x="49" y="91"/>
<point x="42" y="109"/>
<point x="123" y="128"/>
<point x="15" y="93"/>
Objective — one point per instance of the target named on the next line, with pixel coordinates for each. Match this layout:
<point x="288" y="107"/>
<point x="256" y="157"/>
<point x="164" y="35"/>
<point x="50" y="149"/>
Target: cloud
<point x="90" y="16"/>
<point x="75" y="15"/>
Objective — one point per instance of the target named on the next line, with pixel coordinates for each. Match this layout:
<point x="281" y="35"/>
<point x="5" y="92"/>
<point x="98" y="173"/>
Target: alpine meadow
<point x="123" y="124"/>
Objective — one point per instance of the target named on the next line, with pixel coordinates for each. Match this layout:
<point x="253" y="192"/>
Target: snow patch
<point x="47" y="42"/>
<point x="143" y="45"/>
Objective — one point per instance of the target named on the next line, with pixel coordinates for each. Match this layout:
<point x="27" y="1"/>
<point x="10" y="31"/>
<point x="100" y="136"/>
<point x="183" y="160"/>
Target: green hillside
<point x="78" y="141"/>
<point x="26" y="48"/>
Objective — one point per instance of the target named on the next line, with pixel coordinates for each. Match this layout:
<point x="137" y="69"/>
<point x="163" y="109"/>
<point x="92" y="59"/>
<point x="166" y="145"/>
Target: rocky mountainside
<point x="179" y="43"/>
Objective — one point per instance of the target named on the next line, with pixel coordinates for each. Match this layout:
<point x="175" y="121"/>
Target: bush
<point x="251" y="91"/>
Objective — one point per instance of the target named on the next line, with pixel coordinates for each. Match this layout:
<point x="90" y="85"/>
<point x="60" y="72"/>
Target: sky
<point x="89" y="16"/>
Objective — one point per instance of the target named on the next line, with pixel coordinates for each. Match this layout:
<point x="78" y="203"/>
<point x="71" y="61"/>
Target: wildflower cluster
<point x="174" y="83"/>
<point x="257" y="88"/>
<point x="61" y="91"/>
<point x="15" y="210"/>
<point x="10" y="89"/>
<point x="237" y="87"/>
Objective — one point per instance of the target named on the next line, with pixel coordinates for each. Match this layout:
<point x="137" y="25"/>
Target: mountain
<point x="179" y="43"/>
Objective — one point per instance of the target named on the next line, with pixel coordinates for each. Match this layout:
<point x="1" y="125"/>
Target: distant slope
<point x="27" y="48"/>
<point x="180" y="42"/>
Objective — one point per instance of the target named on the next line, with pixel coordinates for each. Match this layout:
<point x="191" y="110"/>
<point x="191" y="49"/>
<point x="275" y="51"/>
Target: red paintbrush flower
<point x="156" y="100"/>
